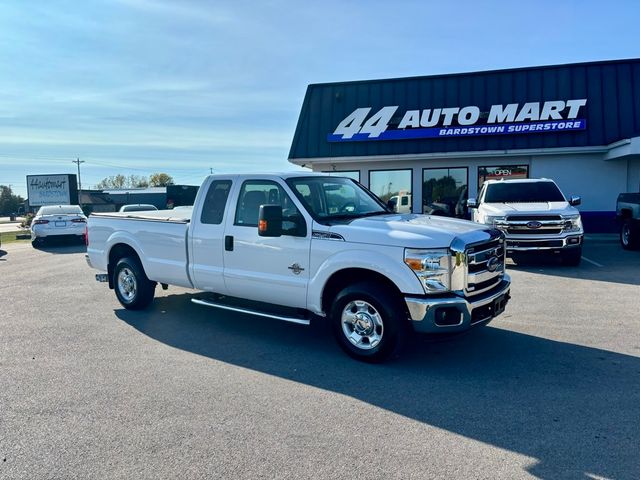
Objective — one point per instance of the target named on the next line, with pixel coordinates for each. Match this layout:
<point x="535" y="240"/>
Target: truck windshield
<point x="523" y="192"/>
<point x="335" y="198"/>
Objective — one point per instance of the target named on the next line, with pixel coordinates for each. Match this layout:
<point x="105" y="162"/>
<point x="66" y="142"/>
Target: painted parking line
<point x="591" y="261"/>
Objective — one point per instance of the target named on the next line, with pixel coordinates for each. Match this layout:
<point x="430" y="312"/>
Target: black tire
<point x="571" y="256"/>
<point x="133" y="289"/>
<point x="629" y="235"/>
<point x="384" y="314"/>
<point x="37" y="242"/>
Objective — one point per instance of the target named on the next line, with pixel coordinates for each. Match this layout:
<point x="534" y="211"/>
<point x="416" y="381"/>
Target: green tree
<point x="120" y="181"/>
<point x="9" y="203"/>
<point x="160" y="180"/>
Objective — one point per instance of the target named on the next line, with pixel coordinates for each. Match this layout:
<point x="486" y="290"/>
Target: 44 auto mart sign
<point x="509" y="119"/>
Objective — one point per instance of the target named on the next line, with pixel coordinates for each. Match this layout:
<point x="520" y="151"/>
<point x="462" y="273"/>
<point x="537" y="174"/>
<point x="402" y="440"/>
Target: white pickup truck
<point x="299" y="246"/>
<point x="534" y="215"/>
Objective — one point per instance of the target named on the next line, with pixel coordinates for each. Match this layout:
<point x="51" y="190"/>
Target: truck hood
<point x="407" y="230"/>
<point x="555" y="208"/>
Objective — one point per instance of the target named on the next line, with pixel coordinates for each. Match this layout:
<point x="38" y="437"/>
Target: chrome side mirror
<point x="575" y="200"/>
<point x="472" y="203"/>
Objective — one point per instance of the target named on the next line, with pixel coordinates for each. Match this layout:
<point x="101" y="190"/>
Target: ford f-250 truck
<point x="297" y="247"/>
<point x="534" y="215"/>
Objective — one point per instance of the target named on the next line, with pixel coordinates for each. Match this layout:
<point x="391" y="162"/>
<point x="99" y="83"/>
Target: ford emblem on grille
<point x="493" y="264"/>
<point x="534" y="224"/>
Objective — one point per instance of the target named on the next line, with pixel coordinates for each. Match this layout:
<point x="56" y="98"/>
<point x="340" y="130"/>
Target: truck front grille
<point x="485" y="266"/>
<point x="533" y="224"/>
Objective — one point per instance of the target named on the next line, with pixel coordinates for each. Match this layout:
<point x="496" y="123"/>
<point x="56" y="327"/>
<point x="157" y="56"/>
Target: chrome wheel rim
<point x="127" y="285"/>
<point x="362" y="324"/>
<point x="626" y="232"/>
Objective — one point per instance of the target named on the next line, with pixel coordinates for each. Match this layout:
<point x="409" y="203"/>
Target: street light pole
<point x="77" y="161"/>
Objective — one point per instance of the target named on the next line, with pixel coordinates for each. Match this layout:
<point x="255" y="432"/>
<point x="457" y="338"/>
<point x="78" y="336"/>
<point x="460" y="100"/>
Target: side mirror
<point x="270" y="221"/>
<point x="573" y="201"/>
<point x="472" y="203"/>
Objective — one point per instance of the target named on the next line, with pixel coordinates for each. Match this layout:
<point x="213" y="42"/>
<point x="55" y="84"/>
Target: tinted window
<point x="522" y="192"/>
<point x="215" y="202"/>
<point x="444" y="191"/>
<point x="508" y="172"/>
<point x="60" y="210"/>
<point x="265" y="192"/>
<point x="391" y="185"/>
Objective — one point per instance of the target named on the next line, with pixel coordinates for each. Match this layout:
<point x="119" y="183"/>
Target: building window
<point x="392" y="186"/>
<point x="504" y="171"/>
<point x="354" y="174"/>
<point x="445" y="191"/>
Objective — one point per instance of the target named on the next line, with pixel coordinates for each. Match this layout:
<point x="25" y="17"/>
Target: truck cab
<point x="534" y="215"/>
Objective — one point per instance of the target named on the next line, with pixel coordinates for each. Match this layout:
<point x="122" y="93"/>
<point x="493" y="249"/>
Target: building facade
<point x="428" y="143"/>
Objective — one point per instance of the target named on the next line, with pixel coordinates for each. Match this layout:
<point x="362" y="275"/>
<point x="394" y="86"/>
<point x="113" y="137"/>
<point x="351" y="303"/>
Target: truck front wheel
<point x="368" y="322"/>
<point x="133" y="289"/>
<point x="629" y="236"/>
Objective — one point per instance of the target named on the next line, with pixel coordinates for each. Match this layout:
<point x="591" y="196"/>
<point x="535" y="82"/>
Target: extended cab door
<point x="267" y="269"/>
<point x="207" y="237"/>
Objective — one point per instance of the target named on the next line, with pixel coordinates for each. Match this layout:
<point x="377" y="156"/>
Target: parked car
<point x="303" y="246"/>
<point x="628" y="217"/>
<point x="401" y="203"/>
<point x="137" y="207"/>
<point x="58" y="221"/>
<point x="534" y="215"/>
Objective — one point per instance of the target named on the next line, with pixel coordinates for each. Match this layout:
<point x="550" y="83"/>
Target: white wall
<point x="597" y="181"/>
<point x="633" y="175"/>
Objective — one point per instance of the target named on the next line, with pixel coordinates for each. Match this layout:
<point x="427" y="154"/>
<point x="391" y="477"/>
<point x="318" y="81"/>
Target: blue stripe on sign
<point x="470" y="131"/>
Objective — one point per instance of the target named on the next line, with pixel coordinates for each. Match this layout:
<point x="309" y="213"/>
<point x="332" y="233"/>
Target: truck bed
<point x="158" y="237"/>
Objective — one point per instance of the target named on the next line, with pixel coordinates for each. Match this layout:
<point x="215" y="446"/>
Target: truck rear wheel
<point x="629" y="236"/>
<point x="133" y="289"/>
<point x="368" y="322"/>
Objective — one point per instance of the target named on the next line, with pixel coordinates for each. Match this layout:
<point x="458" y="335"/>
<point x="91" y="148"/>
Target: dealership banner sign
<point x="49" y="190"/>
<point x="510" y="119"/>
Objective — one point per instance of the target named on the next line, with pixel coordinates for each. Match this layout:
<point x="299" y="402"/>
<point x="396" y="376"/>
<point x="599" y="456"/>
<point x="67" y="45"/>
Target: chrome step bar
<point x="208" y="303"/>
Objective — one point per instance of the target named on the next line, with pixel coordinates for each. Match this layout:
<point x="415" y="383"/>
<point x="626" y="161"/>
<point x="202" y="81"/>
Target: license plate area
<point x="499" y="304"/>
<point x="60" y="224"/>
<point x="490" y="310"/>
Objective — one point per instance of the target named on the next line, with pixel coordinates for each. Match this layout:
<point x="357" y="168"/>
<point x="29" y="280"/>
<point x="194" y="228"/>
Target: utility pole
<point x="77" y="161"/>
<point x="211" y="170"/>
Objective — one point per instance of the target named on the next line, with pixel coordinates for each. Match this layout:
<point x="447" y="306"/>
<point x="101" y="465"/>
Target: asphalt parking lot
<point x="551" y="389"/>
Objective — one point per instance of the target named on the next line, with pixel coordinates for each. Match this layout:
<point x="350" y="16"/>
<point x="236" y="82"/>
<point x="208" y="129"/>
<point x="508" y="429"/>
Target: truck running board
<point x="209" y="303"/>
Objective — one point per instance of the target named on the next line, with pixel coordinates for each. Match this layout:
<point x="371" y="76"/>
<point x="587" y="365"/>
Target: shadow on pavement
<point x="612" y="263"/>
<point x="574" y="409"/>
<point x="61" y="245"/>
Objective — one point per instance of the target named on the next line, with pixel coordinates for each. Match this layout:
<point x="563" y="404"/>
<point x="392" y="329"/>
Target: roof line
<point x="481" y="72"/>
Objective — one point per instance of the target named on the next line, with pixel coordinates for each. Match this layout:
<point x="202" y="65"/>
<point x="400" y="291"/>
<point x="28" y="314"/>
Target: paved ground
<point x="88" y="390"/>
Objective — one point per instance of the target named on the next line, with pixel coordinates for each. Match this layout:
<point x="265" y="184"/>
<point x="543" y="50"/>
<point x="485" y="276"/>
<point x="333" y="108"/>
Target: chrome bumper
<point x="516" y="244"/>
<point x="454" y="314"/>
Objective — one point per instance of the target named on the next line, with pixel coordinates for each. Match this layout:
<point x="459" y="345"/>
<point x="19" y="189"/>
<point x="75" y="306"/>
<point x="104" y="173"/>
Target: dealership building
<point x="432" y="141"/>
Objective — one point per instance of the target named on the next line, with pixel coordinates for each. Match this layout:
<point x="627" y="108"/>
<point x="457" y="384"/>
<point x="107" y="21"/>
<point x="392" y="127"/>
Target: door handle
<point x="228" y="243"/>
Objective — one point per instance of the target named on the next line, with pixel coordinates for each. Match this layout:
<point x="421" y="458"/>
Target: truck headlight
<point x="494" y="220"/>
<point x="572" y="223"/>
<point x="432" y="267"/>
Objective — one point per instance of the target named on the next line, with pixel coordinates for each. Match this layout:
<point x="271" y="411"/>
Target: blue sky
<point x="139" y="86"/>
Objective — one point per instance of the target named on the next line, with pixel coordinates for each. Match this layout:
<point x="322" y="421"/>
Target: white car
<point x="58" y="221"/>
<point x="534" y="216"/>
<point x="137" y="207"/>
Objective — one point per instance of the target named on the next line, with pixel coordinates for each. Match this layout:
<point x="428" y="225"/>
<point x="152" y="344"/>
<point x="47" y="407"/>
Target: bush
<point x="26" y="223"/>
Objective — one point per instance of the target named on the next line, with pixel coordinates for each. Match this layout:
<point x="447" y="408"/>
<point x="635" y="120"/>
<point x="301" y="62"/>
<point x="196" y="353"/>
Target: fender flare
<point x="397" y="273"/>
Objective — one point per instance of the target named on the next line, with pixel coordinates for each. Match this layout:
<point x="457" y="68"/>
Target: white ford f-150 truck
<point x="301" y="246"/>
<point x="533" y="214"/>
